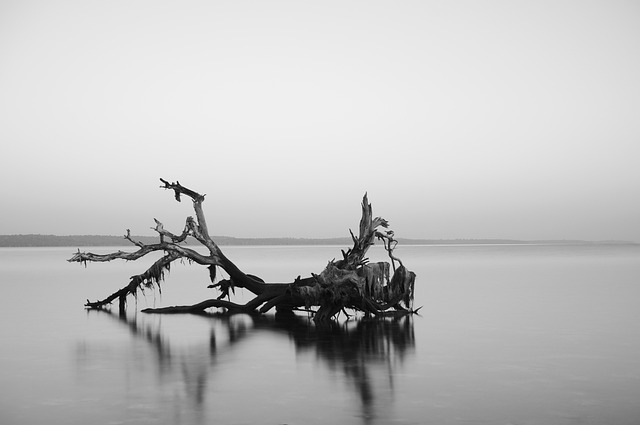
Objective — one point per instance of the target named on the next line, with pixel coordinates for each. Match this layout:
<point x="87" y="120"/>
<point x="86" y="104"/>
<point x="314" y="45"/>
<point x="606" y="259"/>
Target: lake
<point x="508" y="334"/>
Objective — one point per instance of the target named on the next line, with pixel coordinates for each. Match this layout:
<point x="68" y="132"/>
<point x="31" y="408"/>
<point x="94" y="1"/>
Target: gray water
<point x="506" y="335"/>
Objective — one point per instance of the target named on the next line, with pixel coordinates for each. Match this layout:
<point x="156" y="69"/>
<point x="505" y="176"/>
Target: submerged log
<point x="349" y="283"/>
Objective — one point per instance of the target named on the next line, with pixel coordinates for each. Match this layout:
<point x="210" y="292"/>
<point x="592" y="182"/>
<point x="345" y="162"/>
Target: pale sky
<point x="474" y="119"/>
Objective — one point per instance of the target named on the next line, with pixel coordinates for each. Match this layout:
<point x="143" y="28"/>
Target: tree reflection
<point x="355" y="348"/>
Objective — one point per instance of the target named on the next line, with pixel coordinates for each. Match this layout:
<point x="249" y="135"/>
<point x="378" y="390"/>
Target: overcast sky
<point x="478" y="119"/>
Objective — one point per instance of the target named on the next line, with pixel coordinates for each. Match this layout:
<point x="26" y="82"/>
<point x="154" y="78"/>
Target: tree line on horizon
<point x="39" y="240"/>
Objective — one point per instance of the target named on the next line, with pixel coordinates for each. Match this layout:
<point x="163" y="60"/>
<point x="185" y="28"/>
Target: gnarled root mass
<point x="349" y="283"/>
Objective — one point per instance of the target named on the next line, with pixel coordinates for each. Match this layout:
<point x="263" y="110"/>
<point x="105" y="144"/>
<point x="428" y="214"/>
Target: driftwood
<point x="349" y="283"/>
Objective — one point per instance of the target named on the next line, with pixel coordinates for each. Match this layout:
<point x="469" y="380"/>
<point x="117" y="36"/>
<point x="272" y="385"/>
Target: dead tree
<point x="349" y="283"/>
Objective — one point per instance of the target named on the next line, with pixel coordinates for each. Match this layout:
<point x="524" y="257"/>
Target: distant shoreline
<point x="37" y="240"/>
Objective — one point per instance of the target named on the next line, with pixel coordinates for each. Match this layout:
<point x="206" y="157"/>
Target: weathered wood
<point x="349" y="283"/>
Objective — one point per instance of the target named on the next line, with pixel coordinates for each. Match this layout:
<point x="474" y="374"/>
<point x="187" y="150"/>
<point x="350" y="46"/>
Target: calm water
<point x="507" y="335"/>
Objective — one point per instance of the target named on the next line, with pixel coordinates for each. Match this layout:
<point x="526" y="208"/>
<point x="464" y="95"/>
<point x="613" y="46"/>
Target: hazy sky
<point x="496" y="119"/>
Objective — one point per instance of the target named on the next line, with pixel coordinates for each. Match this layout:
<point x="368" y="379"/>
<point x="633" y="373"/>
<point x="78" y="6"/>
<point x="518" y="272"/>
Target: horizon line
<point x="52" y="240"/>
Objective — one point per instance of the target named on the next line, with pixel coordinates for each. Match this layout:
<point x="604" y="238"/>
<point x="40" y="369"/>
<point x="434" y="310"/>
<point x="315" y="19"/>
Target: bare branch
<point x="181" y="190"/>
<point x="128" y="237"/>
<point x="201" y="231"/>
<point x="84" y="257"/>
<point x="200" y="307"/>
<point x="153" y="275"/>
<point x="174" y="238"/>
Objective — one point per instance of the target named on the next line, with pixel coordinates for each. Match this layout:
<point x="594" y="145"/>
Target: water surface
<point x="507" y="335"/>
